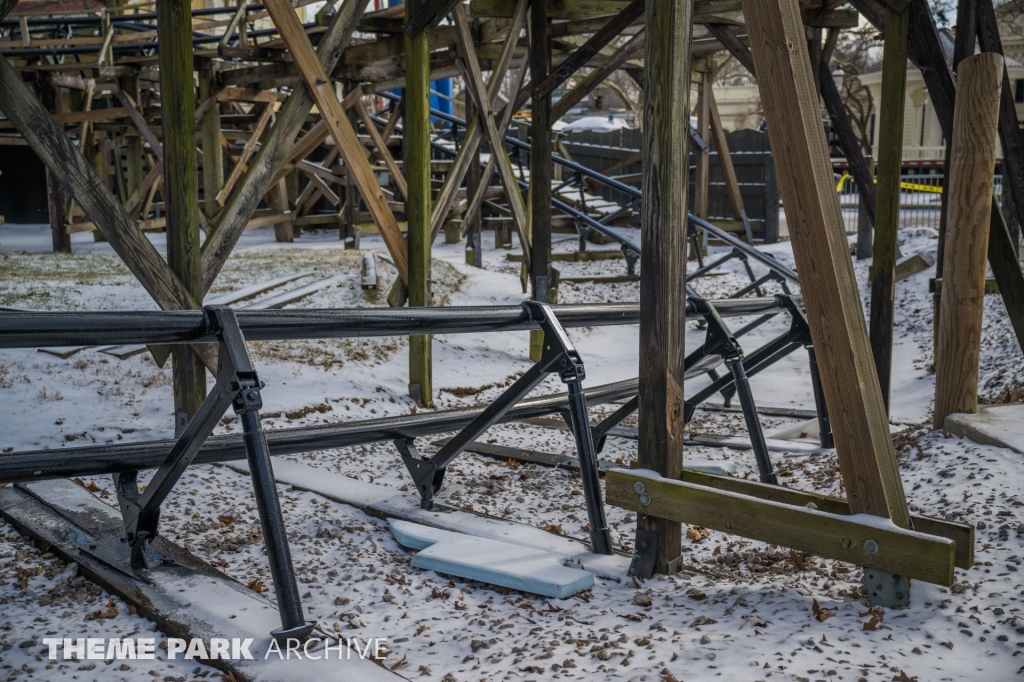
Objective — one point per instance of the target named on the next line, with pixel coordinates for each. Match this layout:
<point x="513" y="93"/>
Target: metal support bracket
<point x="886" y="589"/>
<point x="720" y="341"/>
<point x="238" y="387"/>
<point x="558" y="356"/>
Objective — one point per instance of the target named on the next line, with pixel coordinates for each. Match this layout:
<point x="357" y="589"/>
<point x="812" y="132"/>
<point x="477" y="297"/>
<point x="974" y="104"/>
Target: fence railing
<point x="920" y="199"/>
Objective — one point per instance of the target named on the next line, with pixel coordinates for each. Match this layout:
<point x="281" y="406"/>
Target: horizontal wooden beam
<point x="847" y="538"/>
<point x="961" y="533"/>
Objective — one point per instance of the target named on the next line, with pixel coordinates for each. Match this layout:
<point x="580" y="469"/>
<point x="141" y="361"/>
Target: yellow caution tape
<point x="934" y="189"/>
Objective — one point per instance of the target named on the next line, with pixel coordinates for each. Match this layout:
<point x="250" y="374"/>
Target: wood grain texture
<point x="181" y="180"/>
<point x="213" y="152"/>
<point x="320" y="86"/>
<point x="65" y="162"/>
<point x="903" y="552"/>
<point x="417" y="163"/>
<point x="887" y="213"/>
<point x="972" y="166"/>
<point x="663" y="253"/>
<point x="231" y="222"/>
<point x="540" y="159"/>
<point x="866" y="456"/>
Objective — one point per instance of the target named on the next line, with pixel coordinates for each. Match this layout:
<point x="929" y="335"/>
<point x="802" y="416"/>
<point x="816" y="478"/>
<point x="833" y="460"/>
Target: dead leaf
<point x="400" y="663"/>
<point x="109" y="611"/>
<point x="873" y="623"/>
<point x="256" y="585"/>
<point x="439" y="593"/>
<point x="92" y="487"/>
<point x="903" y="677"/>
<point x="694" y="535"/>
<point x="226" y="520"/>
<point x="821" y="614"/>
<point x="798" y="560"/>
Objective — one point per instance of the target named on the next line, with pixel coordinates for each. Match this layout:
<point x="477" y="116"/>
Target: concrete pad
<point x="999" y="425"/>
<point x="491" y="561"/>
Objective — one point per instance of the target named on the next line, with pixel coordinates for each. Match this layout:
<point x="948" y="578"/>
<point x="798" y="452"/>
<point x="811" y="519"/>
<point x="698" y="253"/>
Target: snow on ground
<point x="740" y="610"/>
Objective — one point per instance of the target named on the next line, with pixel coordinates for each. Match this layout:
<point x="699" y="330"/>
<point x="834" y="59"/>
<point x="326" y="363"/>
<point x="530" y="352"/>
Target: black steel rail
<point x="35" y="465"/>
<point x="50" y="329"/>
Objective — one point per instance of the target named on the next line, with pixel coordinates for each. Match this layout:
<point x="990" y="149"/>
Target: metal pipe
<point x="94" y="460"/>
<point x="48" y="329"/>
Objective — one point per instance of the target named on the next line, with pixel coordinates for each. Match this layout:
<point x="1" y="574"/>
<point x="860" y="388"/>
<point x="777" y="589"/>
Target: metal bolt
<point x="638" y="487"/>
<point x="871" y="547"/>
<point x="645" y="499"/>
<point x="846" y="543"/>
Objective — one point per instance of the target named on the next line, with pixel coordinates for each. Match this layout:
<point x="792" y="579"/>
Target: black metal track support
<point x="720" y="341"/>
<point x="238" y="387"/>
<point x="800" y="332"/>
<point x="559" y="356"/>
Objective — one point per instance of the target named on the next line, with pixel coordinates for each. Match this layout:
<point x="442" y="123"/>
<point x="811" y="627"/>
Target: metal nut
<point x="638" y="487"/>
<point x="871" y="547"/>
<point x="645" y="499"/>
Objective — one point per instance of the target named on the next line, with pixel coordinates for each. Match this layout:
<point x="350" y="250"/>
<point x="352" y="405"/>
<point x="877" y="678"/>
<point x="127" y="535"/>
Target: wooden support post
<point x="864" y="446"/>
<point x="56" y="195"/>
<point x="973" y="157"/>
<point x="472" y="223"/>
<point x="702" y="171"/>
<point x="213" y="152"/>
<point x="865" y="219"/>
<point x="887" y="213"/>
<point x="181" y="184"/>
<point x="540" y="168"/>
<point x="278" y="196"/>
<point x="417" y="168"/>
<point x="57" y="203"/>
<point x="663" y="256"/>
<point x="353" y="233"/>
<point x="134" y="152"/>
<point x="597" y="76"/>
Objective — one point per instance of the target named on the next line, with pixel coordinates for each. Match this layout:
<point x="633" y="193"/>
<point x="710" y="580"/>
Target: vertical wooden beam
<point x="973" y="157"/>
<point x="864" y="446"/>
<point x="702" y="171"/>
<point x="57" y="203"/>
<point x="887" y="212"/>
<point x="56" y="195"/>
<point x="663" y="255"/>
<point x="540" y="166"/>
<point x="213" y="152"/>
<point x="177" y="98"/>
<point x="473" y="223"/>
<point x="417" y="168"/>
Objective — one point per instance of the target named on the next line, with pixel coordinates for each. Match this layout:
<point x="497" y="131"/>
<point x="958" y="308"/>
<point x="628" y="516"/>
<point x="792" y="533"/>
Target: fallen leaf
<point x="798" y="560"/>
<point x="873" y="623"/>
<point x="821" y="614"/>
<point x="109" y="611"/>
<point x="903" y="677"/>
<point x="226" y="520"/>
<point x="256" y="585"/>
<point x="400" y="663"/>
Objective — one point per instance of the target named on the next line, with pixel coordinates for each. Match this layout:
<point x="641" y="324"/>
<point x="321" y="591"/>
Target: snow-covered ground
<point x="739" y="610"/>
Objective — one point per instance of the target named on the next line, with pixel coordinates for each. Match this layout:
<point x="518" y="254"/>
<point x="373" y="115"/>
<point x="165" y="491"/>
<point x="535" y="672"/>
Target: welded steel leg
<point x="293" y="624"/>
<point x="600" y="536"/>
<point x="824" y="424"/>
<point x="746" y="396"/>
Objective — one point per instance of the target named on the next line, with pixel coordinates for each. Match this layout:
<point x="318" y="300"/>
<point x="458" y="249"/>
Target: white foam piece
<point x="491" y="561"/>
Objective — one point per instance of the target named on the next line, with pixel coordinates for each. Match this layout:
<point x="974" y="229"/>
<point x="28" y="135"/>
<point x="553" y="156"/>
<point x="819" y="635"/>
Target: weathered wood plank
<point x="864" y="446"/>
<point x="887" y="216"/>
<point x="418" y="205"/>
<point x="663" y="255"/>
<point x="972" y="166"/>
<point x="902" y="552"/>
<point x="597" y="76"/>
<point x="181" y="185"/>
